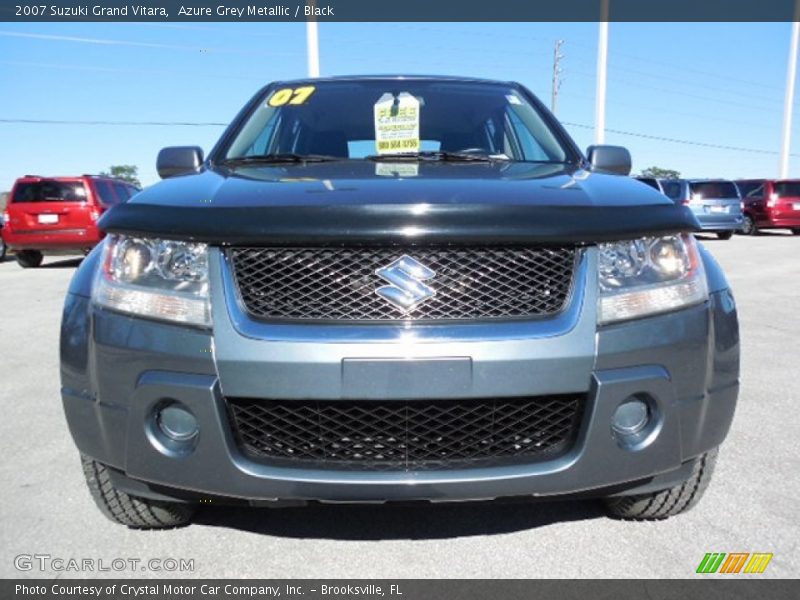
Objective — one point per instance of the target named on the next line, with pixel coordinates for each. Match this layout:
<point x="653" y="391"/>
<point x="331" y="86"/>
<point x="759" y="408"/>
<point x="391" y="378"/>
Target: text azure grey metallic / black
<point x="382" y="289"/>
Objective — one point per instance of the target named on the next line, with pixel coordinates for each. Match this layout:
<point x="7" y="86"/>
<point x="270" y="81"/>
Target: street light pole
<point x="791" y="75"/>
<point x="602" y="68"/>
<point x="312" y="47"/>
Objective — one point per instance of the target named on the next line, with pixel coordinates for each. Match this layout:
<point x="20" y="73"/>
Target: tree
<point x="129" y="173"/>
<point x="660" y="173"/>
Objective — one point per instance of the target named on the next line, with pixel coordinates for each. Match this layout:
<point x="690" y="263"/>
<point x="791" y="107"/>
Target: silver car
<point x="715" y="202"/>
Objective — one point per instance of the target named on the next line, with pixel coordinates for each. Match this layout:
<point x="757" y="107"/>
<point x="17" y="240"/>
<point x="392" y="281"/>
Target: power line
<point x="657" y="110"/>
<point x="612" y="54"/>
<point x="681" y="80"/>
<point x="676" y="140"/>
<point x="149" y="45"/>
<point x="676" y="92"/>
<point x="124" y="123"/>
<point x="78" y="67"/>
<point x="214" y="124"/>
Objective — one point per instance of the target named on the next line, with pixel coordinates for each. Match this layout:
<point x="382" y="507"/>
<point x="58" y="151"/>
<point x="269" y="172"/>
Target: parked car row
<point x="744" y="206"/>
<point x="58" y="214"/>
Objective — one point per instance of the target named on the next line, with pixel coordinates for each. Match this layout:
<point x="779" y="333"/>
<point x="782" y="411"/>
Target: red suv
<point x="58" y="214"/>
<point x="770" y="204"/>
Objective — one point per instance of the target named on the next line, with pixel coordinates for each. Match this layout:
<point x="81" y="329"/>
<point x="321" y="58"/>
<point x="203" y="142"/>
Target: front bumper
<point x="116" y="369"/>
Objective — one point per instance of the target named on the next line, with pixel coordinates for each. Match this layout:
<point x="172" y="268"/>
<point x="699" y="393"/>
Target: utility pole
<point x="602" y="68"/>
<point x="791" y="75"/>
<point x="312" y="45"/>
<point x="556" y="83"/>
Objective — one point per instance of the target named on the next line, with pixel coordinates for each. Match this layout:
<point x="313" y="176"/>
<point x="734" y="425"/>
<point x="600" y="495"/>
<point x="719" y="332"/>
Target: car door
<point x="753" y="193"/>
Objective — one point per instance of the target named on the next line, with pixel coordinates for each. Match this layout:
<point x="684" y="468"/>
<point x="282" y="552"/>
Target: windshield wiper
<point x="285" y="157"/>
<point x="436" y="155"/>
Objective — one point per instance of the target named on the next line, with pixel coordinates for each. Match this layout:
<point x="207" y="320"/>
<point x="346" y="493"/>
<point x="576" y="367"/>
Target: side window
<point x="132" y="191"/>
<point x="529" y="146"/>
<point x="122" y="191"/>
<point x="751" y="189"/>
<point x="264" y="142"/>
<point x="756" y="193"/>
<point x="105" y="192"/>
<point x="672" y="189"/>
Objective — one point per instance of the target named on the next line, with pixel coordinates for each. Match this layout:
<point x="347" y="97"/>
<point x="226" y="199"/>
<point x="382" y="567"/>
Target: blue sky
<point x="712" y="83"/>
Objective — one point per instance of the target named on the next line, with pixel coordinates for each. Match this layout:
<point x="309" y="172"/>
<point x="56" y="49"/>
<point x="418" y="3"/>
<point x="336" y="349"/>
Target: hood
<point x="356" y="200"/>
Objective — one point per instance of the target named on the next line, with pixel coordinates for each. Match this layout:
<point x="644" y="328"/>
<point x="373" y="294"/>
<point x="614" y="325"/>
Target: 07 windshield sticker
<point x="397" y="123"/>
<point x="290" y="95"/>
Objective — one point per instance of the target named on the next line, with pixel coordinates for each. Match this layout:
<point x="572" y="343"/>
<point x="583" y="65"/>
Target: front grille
<point x="403" y="435"/>
<point x="340" y="283"/>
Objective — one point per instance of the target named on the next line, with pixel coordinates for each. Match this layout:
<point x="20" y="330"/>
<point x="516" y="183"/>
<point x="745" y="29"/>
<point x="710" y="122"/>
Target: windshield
<point x="714" y="189"/>
<point x="49" y="190"/>
<point x="358" y="119"/>
<point x="787" y="189"/>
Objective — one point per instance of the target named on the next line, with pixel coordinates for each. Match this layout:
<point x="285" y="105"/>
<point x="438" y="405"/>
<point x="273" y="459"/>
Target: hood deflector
<point x="402" y="224"/>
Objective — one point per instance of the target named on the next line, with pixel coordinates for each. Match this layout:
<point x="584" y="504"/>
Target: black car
<point x="397" y="288"/>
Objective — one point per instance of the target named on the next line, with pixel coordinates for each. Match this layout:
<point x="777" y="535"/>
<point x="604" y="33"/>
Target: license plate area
<point x="446" y="377"/>
<point x="717" y="209"/>
<point x="48" y="219"/>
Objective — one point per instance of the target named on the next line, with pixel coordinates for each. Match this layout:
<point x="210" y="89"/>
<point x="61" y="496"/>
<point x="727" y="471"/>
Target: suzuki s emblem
<point x="406" y="276"/>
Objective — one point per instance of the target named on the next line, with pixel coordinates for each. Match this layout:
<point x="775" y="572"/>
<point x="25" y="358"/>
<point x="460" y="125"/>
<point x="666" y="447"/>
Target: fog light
<point x="177" y="423"/>
<point x="631" y="417"/>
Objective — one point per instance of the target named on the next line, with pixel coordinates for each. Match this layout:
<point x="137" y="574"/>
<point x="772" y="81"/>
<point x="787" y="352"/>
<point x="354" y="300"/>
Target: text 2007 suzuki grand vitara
<point x="386" y="289"/>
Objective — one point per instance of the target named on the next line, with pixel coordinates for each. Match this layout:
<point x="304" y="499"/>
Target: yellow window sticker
<point x="291" y="95"/>
<point x="396" y="124"/>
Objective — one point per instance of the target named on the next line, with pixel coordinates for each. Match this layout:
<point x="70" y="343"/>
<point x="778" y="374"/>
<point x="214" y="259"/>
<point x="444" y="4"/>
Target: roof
<point x="393" y="77"/>
<point x="72" y="177"/>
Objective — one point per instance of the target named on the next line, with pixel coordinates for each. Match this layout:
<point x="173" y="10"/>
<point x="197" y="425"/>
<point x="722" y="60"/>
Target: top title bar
<point x="405" y="10"/>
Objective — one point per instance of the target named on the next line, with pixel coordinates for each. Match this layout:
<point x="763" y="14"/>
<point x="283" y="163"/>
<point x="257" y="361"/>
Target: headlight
<point x="648" y="276"/>
<point x="161" y="279"/>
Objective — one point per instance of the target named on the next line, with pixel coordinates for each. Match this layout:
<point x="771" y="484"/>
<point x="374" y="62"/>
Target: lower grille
<point x="403" y="435"/>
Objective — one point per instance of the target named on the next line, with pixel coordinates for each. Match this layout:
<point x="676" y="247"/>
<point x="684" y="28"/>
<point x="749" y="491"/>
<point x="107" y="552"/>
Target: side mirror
<point x="609" y="159"/>
<point x="177" y="160"/>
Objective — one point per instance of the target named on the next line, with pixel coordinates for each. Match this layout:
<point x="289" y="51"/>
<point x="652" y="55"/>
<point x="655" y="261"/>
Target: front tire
<point x="133" y="511"/>
<point x="725" y="235"/>
<point x="2" y="250"/>
<point x="29" y="259"/>
<point x="669" y="502"/>
<point x="795" y="231"/>
<point x="748" y="226"/>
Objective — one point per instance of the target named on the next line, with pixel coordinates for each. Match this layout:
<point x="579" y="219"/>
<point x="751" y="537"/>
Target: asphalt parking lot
<point x="752" y="505"/>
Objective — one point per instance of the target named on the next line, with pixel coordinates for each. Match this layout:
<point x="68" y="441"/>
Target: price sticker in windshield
<point x="291" y="95"/>
<point x="397" y="124"/>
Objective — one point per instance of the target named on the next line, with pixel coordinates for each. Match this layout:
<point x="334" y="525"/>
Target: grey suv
<point x="716" y="203"/>
<point x="395" y="289"/>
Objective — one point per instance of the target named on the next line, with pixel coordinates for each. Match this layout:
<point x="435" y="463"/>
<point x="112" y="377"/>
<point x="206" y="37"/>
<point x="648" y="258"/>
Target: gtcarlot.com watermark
<point x="48" y="562"/>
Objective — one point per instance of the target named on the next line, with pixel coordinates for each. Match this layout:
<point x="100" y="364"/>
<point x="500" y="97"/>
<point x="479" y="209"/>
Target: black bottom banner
<point x="400" y="589"/>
